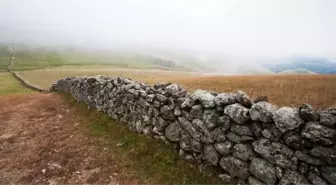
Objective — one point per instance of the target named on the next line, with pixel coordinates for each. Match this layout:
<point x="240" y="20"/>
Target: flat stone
<point x="308" y="113"/>
<point x="206" y="98"/>
<point x="242" y="129"/>
<point x="224" y="148"/>
<point x="243" y="99"/>
<point x="292" y="177"/>
<point x="243" y="151"/>
<point x="274" y="152"/>
<point x="263" y="170"/>
<point x="211" y="155"/>
<point x="173" y="132"/>
<point x="254" y="181"/>
<point x="329" y="173"/>
<point x="210" y="118"/>
<point x="307" y="158"/>
<point x="287" y="118"/>
<point x="196" y="111"/>
<point x="225" y="99"/>
<point x="262" y="111"/>
<point x="237" y="113"/>
<point x="235" y="167"/>
<point x="327" y="119"/>
<point x="315" y="179"/>
<point x="318" y="133"/>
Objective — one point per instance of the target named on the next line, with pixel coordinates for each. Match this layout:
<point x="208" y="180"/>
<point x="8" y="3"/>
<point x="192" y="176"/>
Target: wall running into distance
<point x="250" y="142"/>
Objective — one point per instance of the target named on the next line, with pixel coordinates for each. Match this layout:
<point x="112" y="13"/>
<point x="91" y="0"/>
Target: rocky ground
<point x="41" y="141"/>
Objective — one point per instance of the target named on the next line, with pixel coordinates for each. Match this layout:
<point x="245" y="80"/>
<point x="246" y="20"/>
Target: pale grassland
<point x="282" y="90"/>
<point x="9" y="85"/>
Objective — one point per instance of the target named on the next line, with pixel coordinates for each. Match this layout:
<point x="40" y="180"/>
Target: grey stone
<point x="243" y="151"/>
<point x="247" y="138"/>
<point x="188" y="126"/>
<point x="256" y="128"/>
<point x="224" y="148"/>
<point x="308" y="159"/>
<point x="196" y="111"/>
<point x="329" y="173"/>
<point x="173" y="88"/>
<point x="161" y="98"/>
<point x="263" y="170"/>
<point x="275" y="152"/>
<point x="210" y="118"/>
<point x="159" y="85"/>
<point x="177" y="111"/>
<point x="196" y="146"/>
<point x="294" y="140"/>
<point x="308" y="113"/>
<point x="167" y="113"/>
<point x="327" y="119"/>
<point x="271" y="132"/>
<point x="279" y="172"/>
<point x="242" y="129"/>
<point x="315" y="179"/>
<point x="292" y="177"/>
<point x="211" y="155"/>
<point x="262" y="111"/>
<point x="235" y="167"/>
<point x="237" y="112"/>
<point x="327" y="155"/>
<point x="332" y="110"/>
<point x="241" y="182"/>
<point x="148" y="130"/>
<point x="187" y="103"/>
<point x="225" y="121"/>
<point x="225" y="99"/>
<point x="173" y="132"/>
<point x="318" y="133"/>
<point x="253" y="181"/>
<point x="303" y="168"/>
<point x="234" y="137"/>
<point x="139" y="126"/>
<point x="150" y="97"/>
<point x="218" y="134"/>
<point x="243" y="99"/>
<point x="226" y="178"/>
<point x="206" y="98"/>
<point x="287" y="118"/>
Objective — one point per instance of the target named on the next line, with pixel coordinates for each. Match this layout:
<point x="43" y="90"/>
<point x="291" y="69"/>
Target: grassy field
<point x="39" y="58"/>
<point x="9" y="85"/>
<point x="282" y="90"/>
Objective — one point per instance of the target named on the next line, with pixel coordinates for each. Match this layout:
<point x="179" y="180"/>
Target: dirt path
<point x="41" y="141"/>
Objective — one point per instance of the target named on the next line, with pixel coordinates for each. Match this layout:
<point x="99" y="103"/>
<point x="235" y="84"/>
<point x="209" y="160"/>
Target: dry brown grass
<point x="283" y="90"/>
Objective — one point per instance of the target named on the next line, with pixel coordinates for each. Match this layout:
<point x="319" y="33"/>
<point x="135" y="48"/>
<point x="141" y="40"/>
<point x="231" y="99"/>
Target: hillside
<point x="313" y="64"/>
<point x="296" y="71"/>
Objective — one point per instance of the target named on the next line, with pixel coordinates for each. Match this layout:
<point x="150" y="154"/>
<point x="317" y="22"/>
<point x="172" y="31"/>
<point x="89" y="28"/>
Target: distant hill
<point x="296" y="71"/>
<point x="312" y="64"/>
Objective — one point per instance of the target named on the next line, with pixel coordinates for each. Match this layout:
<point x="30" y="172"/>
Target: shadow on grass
<point x="146" y="159"/>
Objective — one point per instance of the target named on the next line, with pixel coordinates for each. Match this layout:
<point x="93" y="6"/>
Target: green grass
<point x="9" y="85"/>
<point x="146" y="159"/>
<point x="4" y="56"/>
<point x="29" y="59"/>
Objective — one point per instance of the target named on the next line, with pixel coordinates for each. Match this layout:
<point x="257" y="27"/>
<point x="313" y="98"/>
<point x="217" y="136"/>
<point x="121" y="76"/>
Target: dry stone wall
<point x="252" y="143"/>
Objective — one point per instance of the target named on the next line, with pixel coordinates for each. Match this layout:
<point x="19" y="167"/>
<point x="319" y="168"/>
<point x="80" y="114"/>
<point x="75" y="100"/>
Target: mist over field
<point x="231" y="37"/>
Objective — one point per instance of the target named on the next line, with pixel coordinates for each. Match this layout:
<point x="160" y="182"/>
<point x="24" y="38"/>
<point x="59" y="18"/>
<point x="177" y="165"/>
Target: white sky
<point x="262" y="28"/>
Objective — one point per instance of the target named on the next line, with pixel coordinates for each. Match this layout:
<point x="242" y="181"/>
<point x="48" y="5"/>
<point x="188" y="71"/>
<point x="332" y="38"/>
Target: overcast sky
<point x="238" y="27"/>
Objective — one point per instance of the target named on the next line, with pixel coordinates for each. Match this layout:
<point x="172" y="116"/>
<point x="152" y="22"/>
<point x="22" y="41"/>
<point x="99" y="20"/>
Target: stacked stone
<point x="254" y="143"/>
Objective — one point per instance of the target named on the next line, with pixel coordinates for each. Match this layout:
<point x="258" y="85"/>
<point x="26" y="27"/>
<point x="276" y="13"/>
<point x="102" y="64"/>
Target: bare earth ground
<point x="42" y="142"/>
